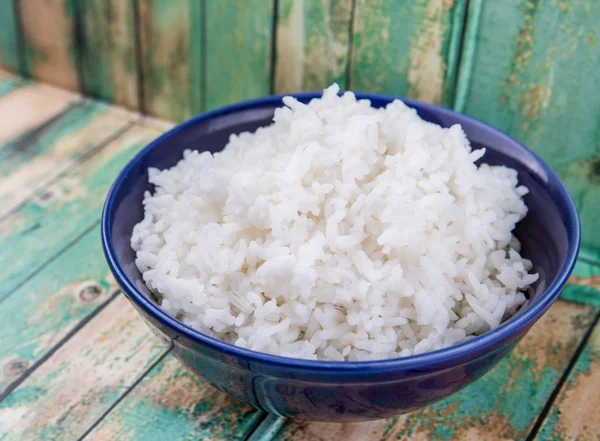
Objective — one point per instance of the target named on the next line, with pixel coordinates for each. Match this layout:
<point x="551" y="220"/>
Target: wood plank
<point x="500" y="406"/>
<point x="312" y="44"/>
<point x="171" y="403"/>
<point x="108" y="51"/>
<point x="584" y="284"/>
<point x="50" y="305"/>
<point x="407" y="48"/>
<point x="49" y="41"/>
<point x="238" y="50"/>
<point x="170" y="41"/>
<point x="8" y="85"/>
<point x="18" y="116"/>
<point x="6" y="75"/>
<point x="40" y="155"/>
<point x="9" y="37"/>
<point x="60" y="213"/>
<point x="534" y="67"/>
<point x="82" y="379"/>
<point x="575" y="416"/>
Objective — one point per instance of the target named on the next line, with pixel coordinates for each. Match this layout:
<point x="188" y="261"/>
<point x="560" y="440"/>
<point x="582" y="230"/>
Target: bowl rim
<point x="454" y="354"/>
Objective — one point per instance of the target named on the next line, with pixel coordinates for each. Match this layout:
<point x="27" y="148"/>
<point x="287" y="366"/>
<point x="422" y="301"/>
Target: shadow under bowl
<point x="343" y="391"/>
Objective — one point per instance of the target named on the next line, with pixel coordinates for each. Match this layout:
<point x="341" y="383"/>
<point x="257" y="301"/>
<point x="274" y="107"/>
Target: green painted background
<point x="528" y="67"/>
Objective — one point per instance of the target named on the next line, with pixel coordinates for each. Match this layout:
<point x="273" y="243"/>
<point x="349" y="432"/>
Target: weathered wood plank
<point x="534" y="69"/>
<point x="312" y="44"/>
<point x="57" y="92"/>
<point x="500" y="406"/>
<point x="404" y="48"/>
<point x="49" y="41"/>
<point x="8" y="85"/>
<point x="51" y="304"/>
<point x="171" y="403"/>
<point x="82" y="379"/>
<point x="17" y="115"/>
<point x="108" y="51"/>
<point x="584" y="284"/>
<point x="170" y="41"/>
<point x="238" y="50"/>
<point x="575" y="416"/>
<point x="9" y="37"/>
<point x="59" y="213"/>
<point x="38" y="156"/>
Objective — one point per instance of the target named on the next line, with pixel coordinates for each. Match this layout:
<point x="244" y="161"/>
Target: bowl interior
<point x="546" y="233"/>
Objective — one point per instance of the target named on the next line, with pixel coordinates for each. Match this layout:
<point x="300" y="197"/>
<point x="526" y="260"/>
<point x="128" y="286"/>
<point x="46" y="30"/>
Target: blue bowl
<point x="343" y="391"/>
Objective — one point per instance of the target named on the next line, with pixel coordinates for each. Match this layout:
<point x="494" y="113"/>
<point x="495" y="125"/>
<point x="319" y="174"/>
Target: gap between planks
<point x="135" y="119"/>
<point x="124" y="394"/>
<point x="563" y="380"/>
<point x="12" y="386"/>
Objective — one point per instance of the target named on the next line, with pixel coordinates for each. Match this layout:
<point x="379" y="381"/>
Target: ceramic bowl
<point x="344" y="391"/>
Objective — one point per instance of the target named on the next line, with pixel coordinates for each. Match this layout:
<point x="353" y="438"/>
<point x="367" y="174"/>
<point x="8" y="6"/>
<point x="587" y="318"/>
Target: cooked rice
<point x="339" y="232"/>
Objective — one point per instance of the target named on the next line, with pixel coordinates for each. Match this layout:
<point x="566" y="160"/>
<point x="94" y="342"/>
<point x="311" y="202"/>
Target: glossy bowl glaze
<point x="343" y="391"/>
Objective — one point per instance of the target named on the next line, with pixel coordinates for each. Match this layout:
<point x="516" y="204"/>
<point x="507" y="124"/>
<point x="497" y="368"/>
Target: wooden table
<point x="76" y="362"/>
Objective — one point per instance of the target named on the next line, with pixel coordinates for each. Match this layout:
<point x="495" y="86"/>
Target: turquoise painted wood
<point x="574" y="416"/>
<point x="172" y="69"/>
<point x="238" y="50"/>
<point x="407" y="49"/>
<point x="36" y="157"/>
<point x="172" y="404"/>
<point x="9" y="38"/>
<point x="534" y="68"/>
<point x="49" y="42"/>
<point x="74" y="348"/>
<point x="61" y="212"/>
<point x="51" y="304"/>
<point x="73" y="389"/>
<point x="312" y="44"/>
<point x="109" y="68"/>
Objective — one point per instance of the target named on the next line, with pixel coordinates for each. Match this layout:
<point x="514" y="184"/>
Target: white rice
<point x="339" y="232"/>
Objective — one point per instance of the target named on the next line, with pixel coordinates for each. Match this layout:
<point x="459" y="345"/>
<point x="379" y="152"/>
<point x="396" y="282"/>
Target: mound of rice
<point x="339" y="232"/>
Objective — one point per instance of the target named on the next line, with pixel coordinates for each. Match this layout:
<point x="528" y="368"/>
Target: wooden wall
<point x="529" y="67"/>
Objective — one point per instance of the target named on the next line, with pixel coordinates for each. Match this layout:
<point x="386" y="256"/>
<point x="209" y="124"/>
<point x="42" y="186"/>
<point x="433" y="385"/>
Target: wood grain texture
<point x="17" y="115"/>
<point x="82" y="379"/>
<point x="535" y="65"/>
<point x="312" y="44"/>
<point x="404" y="48"/>
<point x="51" y="304"/>
<point x="238" y="50"/>
<point x="40" y="155"/>
<point x="108" y="51"/>
<point x="173" y="404"/>
<point x="9" y="37"/>
<point x="584" y="284"/>
<point x="170" y="41"/>
<point x="58" y="214"/>
<point x="574" y="415"/>
<point x="50" y="52"/>
<point x="500" y="406"/>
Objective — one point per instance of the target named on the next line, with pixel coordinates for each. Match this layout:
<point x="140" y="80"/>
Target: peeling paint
<point x="289" y="67"/>
<point x="172" y="403"/>
<point x="427" y="67"/>
<point x="575" y="412"/>
<point x="533" y="99"/>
